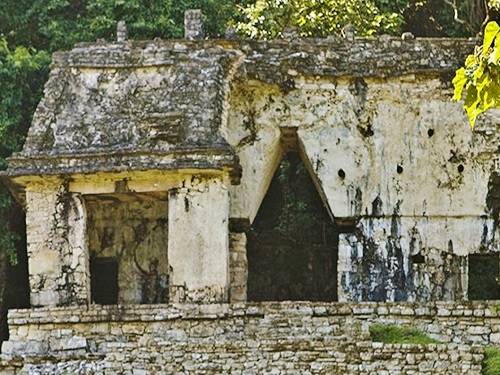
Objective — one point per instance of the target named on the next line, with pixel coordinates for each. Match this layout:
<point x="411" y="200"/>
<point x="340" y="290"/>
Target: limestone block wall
<point x="298" y="337"/>
<point x="57" y="246"/>
<point x="355" y="359"/>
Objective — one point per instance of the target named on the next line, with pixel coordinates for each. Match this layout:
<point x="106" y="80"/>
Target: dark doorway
<point x="14" y="282"/>
<point x="292" y="245"/>
<point x="104" y="281"/>
<point x="483" y="277"/>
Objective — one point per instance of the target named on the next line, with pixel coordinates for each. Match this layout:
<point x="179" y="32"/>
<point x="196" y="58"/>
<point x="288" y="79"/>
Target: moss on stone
<point x="491" y="362"/>
<point x="394" y="334"/>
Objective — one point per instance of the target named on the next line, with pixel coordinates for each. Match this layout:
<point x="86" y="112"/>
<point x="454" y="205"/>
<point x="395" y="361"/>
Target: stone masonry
<point x="367" y="130"/>
<point x="286" y="337"/>
<point x="151" y="159"/>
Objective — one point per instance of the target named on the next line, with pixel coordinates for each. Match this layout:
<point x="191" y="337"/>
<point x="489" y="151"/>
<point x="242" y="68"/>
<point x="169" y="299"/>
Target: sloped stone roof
<point x="139" y="105"/>
<point x="105" y="109"/>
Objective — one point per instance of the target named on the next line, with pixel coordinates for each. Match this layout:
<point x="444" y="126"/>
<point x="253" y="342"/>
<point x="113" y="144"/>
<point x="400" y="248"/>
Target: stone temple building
<point x="146" y="177"/>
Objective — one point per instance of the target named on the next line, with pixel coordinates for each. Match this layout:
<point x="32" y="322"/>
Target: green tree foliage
<point x="59" y="24"/>
<point x="267" y="19"/>
<point x="22" y="74"/>
<point x="478" y="83"/>
<point x="442" y="18"/>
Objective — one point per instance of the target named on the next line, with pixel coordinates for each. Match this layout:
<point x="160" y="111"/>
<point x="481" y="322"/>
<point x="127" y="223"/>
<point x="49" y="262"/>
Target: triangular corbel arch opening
<point x="292" y="243"/>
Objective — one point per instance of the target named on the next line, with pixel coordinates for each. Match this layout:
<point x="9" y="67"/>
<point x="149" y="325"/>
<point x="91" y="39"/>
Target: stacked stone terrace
<point x="147" y="162"/>
<point x="290" y="338"/>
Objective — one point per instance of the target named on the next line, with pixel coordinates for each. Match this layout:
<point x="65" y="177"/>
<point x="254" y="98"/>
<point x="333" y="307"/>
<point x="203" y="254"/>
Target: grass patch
<point x="491" y="362"/>
<point x="395" y="334"/>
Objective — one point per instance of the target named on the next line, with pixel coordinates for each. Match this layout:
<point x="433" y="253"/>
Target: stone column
<point x="239" y="267"/>
<point x="57" y="247"/>
<point x="198" y="236"/>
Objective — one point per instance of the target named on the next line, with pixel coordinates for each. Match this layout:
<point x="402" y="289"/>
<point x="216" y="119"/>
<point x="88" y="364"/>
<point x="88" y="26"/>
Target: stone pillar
<point x="57" y="250"/>
<point x="198" y="242"/>
<point x="193" y="24"/>
<point x="238" y="267"/>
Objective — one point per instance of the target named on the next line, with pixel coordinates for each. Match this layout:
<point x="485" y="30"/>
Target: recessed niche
<point x="399" y="169"/>
<point x="483" y="276"/>
<point x="460" y="168"/>
<point x="341" y="173"/>
<point x="127" y="239"/>
<point x="430" y="132"/>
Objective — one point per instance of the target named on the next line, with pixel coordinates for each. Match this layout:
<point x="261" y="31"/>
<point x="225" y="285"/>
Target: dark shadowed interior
<point x="292" y="245"/>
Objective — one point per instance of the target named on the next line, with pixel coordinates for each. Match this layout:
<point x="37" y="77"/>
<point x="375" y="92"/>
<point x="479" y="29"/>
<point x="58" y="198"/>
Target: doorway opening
<point x="484" y="277"/>
<point x="127" y="240"/>
<point x="293" y="244"/>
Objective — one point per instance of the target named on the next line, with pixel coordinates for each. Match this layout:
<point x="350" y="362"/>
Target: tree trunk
<point x="4" y="330"/>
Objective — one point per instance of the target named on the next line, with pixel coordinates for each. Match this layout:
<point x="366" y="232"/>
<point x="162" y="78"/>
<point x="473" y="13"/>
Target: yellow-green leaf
<point x="459" y="82"/>
<point x="490" y="32"/>
<point x="495" y="55"/>
<point x="471" y="105"/>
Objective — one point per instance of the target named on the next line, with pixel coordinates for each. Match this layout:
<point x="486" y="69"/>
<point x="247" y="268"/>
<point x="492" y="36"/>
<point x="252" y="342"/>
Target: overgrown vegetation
<point x="395" y="334"/>
<point x="491" y="362"/>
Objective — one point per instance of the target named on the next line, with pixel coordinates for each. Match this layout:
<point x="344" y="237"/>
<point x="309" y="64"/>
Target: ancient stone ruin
<point x="153" y="180"/>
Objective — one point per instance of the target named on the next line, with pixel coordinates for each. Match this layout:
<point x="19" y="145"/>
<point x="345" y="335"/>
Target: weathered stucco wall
<point x="198" y="242"/>
<point x="315" y="338"/>
<point x="58" y="256"/>
<point x="394" y="155"/>
<point x="375" y="262"/>
<point x="367" y="128"/>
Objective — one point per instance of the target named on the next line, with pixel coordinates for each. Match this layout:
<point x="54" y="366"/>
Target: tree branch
<point x="456" y="17"/>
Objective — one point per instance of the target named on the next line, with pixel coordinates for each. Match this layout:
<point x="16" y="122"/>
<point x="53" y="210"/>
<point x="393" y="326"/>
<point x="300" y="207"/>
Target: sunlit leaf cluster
<point x="478" y="82"/>
<point x="267" y="19"/>
<point x="494" y="4"/>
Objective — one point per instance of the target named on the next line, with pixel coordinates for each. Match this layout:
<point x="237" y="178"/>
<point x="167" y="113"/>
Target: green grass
<point x="394" y="334"/>
<point x="491" y="363"/>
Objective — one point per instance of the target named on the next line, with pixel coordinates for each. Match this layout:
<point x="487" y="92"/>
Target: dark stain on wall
<point x="493" y="197"/>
